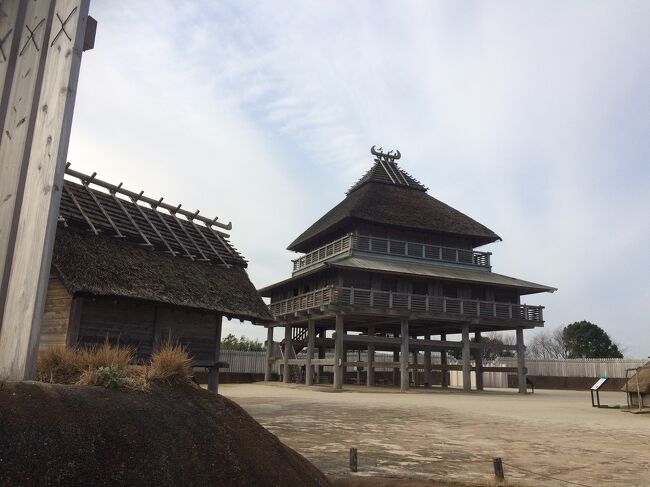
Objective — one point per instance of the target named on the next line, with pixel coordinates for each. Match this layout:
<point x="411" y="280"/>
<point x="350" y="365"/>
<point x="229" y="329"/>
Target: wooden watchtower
<point x="391" y="268"/>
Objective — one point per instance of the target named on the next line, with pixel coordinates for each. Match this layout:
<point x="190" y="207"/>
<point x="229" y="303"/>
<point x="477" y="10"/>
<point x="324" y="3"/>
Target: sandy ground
<point x="449" y="435"/>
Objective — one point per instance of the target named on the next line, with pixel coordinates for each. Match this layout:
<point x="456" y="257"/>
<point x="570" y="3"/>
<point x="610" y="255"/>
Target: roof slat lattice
<point x="99" y="207"/>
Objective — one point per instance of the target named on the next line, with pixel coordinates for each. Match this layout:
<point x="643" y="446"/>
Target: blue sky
<point x="531" y="117"/>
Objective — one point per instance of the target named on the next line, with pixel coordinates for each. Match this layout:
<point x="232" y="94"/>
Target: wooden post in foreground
<point x="478" y="354"/>
<point x="353" y="459"/>
<point x="427" y="364"/>
<point x="39" y="85"/>
<point x="444" y="382"/>
<point x="498" y="468"/>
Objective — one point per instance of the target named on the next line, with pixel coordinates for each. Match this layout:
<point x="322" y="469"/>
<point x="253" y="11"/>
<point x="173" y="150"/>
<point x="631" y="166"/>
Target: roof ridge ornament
<point x="385" y="156"/>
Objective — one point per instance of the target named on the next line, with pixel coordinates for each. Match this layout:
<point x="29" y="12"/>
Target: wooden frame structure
<point x="392" y="269"/>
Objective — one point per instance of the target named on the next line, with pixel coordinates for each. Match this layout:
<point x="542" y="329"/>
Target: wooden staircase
<point x="298" y="344"/>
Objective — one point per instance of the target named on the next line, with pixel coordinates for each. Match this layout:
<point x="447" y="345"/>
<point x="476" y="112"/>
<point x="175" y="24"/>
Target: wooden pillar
<point x="467" y="366"/>
<point x="311" y="332"/>
<point x="38" y="84"/>
<point x="404" y="355"/>
<point x="338" y="353"/>
<point x="478" y="357"/>
<point x="213" y="374"/>
<point x="286" y="375"/>
<point x="444" y="381"/>
<point x="415" y="368"/>
<point x="395" y="371"/>
<point x="427" y="364"/>
<point x="370" y="376"/>
<point x="321" y="355"/>
<point x="521" y="361"/>
<point x="269" y="353"/>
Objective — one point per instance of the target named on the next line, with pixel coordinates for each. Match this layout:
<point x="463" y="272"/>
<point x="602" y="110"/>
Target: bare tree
<point x="547" y="344"/>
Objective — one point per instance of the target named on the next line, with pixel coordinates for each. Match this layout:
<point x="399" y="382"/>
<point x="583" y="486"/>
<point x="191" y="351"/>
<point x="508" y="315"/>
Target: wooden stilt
<point x="427" y="364"/>
<point x="404" y="355"/>
<point x="288" y="344"/>
<point x="370" y="378"/>
<point x="338" y="353"/>
<point x="444" y="380"/>
<point x="467" y="377"/>
<point x="269" y="351"/>
<point x="309" y="371"/>
<point x="478" y="357"/>
<point x="521" y="361"/>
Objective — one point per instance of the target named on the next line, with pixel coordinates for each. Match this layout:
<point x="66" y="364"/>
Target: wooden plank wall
<point x="58" y="303"/>
<point x="145" y="325"/>
<point x="123" y="321"/>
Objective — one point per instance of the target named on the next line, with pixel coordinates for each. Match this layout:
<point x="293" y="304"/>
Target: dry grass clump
<point x="170" y="363"/>
<point x="110" y="366"/>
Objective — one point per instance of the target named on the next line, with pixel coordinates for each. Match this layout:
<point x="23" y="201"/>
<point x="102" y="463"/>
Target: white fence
<point x="594" y="367"/>
<point x="253" y="362"/>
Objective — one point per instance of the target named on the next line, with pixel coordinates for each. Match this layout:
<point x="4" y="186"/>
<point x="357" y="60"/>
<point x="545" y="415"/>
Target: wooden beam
<point x="39" y="159"/>
<point x="521" y="361"/>
<point x="370" y="372"/>
<point x="269" y="350"/>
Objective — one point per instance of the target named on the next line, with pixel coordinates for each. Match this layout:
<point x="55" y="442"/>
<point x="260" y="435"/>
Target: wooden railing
<point x="322" y="253"/>
<point x="388" y="246"/>
<point x="368" y="243"/>
<point x="419" y="303"/>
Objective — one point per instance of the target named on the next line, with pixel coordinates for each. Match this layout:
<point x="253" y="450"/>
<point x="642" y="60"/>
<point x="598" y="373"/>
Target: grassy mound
<point x="53" y="434"/>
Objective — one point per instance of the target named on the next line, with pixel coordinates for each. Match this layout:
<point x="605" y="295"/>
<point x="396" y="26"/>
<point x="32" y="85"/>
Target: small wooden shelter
<point x="637" y="387"/>
<point x="388" y="268"/>
<point x="139" y="271"/>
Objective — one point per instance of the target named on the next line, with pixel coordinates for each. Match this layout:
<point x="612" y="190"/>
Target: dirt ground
<point x="452" y="436"/>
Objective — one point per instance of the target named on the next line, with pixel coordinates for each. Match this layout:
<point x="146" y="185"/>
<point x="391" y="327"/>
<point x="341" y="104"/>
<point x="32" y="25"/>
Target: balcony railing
<point x="417" y="250"/>
<point x="418" y="303"/>
<point x="388" y="246"/>
<point x="323" y="253"/>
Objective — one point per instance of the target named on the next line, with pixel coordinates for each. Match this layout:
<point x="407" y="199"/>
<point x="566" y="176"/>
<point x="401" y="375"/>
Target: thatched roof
<point x="644" y="381"/>
<point x="375" y="201"/>
<point x="107" y="266"/>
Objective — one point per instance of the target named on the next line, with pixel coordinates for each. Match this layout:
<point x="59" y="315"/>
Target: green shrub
<point x="110" y="377"/>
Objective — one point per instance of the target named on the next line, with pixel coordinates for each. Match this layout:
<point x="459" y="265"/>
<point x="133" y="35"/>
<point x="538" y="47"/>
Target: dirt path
<point x="453" y="436"/>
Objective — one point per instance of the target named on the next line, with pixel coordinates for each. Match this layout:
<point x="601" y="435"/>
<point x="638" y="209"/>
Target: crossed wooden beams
<point x="156" y="205"/>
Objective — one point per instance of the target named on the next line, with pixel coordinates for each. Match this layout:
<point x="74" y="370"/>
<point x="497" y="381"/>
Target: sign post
<point x="595" y="388"/>
<point x="41" y="42"/>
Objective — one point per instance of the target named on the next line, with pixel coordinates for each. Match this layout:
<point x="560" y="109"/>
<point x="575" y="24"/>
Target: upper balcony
<point x="388" y="246"/>
<point x="422" y="304"/>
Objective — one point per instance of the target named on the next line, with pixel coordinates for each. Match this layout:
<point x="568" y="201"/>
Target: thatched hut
<point x="637" y="387"/>
<point x="137" y="271"/>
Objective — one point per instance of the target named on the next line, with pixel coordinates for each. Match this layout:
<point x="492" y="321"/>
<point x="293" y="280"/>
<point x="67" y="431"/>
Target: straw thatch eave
<point x="106" y="266"/>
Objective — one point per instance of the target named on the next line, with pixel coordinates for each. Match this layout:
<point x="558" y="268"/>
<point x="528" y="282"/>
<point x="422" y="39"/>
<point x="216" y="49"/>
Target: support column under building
<point x="415" y="368"/>
<point x="427" y="364"/>
<point x="404" y="355"/>
<point x="444" y="374"/>
<point x="395" y="370"/>
<point x="309" y="370"/>
<point x="370" y="374"/>
<point x="521" y="361"/>
<point x="321" y="355"/>
<point x="288" y="346"/>
<point x="338" y="353"/>
<point x="478" y="357"/>
<point x="467" y="366"/>
<point x="269" y="353"/>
